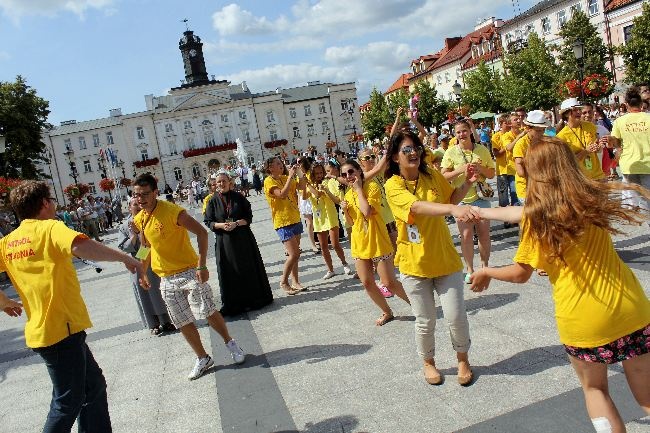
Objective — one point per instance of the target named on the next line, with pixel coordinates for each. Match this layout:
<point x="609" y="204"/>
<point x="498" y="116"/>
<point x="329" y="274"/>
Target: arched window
<point x="196" y="170"/>
<point x="178" y="174"/>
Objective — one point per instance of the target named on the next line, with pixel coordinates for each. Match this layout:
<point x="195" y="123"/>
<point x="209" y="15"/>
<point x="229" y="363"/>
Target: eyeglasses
<point x="141" y="194"/>
<point x="368" y="157"/>
<point x="348" y="173"/>
<point x="407" y="150"/>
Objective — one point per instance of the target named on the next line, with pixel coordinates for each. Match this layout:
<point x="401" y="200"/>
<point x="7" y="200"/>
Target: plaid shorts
<point x="186" y="298"/>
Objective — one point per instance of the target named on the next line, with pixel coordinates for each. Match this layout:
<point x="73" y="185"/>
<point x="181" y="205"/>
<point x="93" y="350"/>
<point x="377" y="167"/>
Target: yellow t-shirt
<point x="435" y="254"/>
<point x="503" y="162"/>
<point x="597" y="297"/>
<point x="205" y="202"/>
<point x="284" y="211"/>
<point x="452" y="142"/>
<point x="384" y="210"/>
<point x="578" y="139"/>
<point x="633" y="129"/>
<point x="334" y="187"/>
<point x="506" y="139"/>
<point x="519" y="151"/>
<point x="323" y="211"/>
<point x="369" y="236"/>
<point x="171" y="250"/>
<point x="37" y="256"/>
<point x="455" y="157"/>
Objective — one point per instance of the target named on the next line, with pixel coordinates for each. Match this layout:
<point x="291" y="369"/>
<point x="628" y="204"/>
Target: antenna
<point x="185" y="20"/>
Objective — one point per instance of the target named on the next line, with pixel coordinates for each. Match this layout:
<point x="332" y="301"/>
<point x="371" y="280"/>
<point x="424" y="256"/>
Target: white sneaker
<point x="201" y="366"/>
<point x="328" y="275"/>
<point x="347" y="270"/>
<point x="238" y="355"/>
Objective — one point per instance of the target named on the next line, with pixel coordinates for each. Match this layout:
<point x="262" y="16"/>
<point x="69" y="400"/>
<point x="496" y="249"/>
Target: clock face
<point x="192" y="52"/>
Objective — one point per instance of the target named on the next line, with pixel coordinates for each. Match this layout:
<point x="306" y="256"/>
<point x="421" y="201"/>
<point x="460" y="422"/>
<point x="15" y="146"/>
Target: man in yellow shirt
<point x="536" y="122"/>
<point x="212" y="186"/>
<point x="582" y="138"/>
<point x="504" y="163"/>
<point x="163" y="228"/>
<point x="37" y="256"/>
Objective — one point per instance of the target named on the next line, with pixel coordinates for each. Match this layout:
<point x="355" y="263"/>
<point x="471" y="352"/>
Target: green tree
<point x="596" y="54"/>
<point x="375" y="120"/>
<point x="483" y="89"/>
<point x="636" y="52"/>
<point x="23" y="118"/>
<point x="432" y="111"/>
<point x="397" y="99"/>
<point x="532" y="77"/>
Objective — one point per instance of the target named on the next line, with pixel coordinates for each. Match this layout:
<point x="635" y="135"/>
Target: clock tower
<point x="192" y="51"/>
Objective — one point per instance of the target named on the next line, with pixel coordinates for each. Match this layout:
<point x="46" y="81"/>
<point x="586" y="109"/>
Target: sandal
<point x="385" y="318"/>
<point x="298" y="287"/>
<point x="290" y="291"/>
<point x="156" y="331"/>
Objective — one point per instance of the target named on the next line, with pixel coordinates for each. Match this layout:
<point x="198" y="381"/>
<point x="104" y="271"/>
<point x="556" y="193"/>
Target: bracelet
<point x="236" y="223"/>
<point x="201" y="268"/>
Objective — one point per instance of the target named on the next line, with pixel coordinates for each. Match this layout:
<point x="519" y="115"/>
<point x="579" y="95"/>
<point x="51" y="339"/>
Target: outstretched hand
<point x="466" y="214"/>
<point x="479" y="281"/>
<point x="13" y="308"/>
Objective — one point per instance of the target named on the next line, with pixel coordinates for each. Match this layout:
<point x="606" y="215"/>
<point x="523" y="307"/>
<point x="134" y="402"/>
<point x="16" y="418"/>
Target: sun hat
<point x="568" y="104"/>
<point x="442" y="137"/>
<point x="537" y="119"/>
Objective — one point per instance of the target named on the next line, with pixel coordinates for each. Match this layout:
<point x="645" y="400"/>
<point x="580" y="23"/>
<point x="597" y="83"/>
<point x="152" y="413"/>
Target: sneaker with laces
<point x="328" y="275"/>
<point x="347" y="270"/>
<point x="384" y="291"/>
<point x="238" y="355"/>
<point x="200" y="367"/>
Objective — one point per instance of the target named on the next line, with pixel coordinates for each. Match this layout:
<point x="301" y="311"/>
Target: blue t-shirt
<point x="484" y="134"/>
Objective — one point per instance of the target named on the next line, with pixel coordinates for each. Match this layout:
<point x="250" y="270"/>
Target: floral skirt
<point x="626" y="347"/>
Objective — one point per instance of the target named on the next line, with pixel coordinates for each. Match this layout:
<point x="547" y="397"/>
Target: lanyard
<point x="462" y="152"/>
<point x="414" y="189"/>
<point x="144" y="226"/>
<point x="226" y="204"/>
<point x="584" y="146"/>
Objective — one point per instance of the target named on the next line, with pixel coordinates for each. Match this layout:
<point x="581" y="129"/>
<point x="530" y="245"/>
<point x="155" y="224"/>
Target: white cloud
<point x="17" y="8"/>
<point x="4" y="56"/>
<point x="269" y="78"/>
<point x="384" y="55"/>
<point x="233" y="20"/>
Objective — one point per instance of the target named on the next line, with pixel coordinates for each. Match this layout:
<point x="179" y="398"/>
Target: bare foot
<point x="288" y="289"/>
<point x="385" y="318"/>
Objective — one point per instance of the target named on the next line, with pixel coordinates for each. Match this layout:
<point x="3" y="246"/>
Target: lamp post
<point x="579" y="54"/>
<point x="121" y="165"/>
<point x="458" y="89"/>
<point x="69" y="154"/>
<point x="102" y="168"/>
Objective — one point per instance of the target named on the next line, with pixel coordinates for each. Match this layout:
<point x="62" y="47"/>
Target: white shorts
<point x="186" y="298"/>
<point x="305" y="207"/>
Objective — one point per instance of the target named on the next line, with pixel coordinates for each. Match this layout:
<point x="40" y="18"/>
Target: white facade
<point x="165" y="139"/>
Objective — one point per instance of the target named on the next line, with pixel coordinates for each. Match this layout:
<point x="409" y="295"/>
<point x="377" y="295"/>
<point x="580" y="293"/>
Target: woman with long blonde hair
<point x="601" y="310"/>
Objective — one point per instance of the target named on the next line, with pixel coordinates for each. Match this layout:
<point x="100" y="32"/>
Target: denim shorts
<point x="287" y="232"/>
<point x="478" y="203"/>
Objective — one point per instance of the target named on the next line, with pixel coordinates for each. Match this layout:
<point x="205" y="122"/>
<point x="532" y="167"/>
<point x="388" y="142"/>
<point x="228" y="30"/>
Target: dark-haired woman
<point x="469" y="153"/>
<point x="280" y="189"/>
<point x="370" y="241"/>
<point x="242" y="277"/>
<point x="427" y="259"/>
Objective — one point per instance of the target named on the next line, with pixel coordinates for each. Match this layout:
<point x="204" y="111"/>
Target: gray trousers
<point x="450" y="291"/>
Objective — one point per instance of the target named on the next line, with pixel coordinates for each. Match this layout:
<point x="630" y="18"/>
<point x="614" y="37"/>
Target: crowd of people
<point x="556" y="181"/>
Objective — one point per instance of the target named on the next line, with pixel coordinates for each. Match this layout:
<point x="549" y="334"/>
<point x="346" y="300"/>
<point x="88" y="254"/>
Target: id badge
<point x="413" y="233"/>
<point x="318" y="214"/>
<point x="142" y="253"/>
<point x="588" y="163"/>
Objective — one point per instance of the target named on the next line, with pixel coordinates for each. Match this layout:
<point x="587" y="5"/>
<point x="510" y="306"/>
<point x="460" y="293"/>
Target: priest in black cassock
<point x="242" y="277"/>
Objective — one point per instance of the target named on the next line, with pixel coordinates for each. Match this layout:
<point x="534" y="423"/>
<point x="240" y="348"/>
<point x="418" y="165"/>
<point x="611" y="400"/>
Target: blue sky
<point x="87" y="56"/>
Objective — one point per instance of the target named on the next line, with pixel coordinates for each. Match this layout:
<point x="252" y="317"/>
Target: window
<point x="292" y="113"/>
<point x="576" y="8"/>
<point x="325" y="126"/>
<point x="273" y="135"/>
<point x="246" y="134"/>
<point x="508" y="39"/>
<point x="87" y="167"/>
<point x="344" y="105"/>
<point x="93" y="189"/>
<point x="187" y="125"/>
<point x="109" y="137"/>
<point x="190" y="142"/>
<point x="296" y="132"/>
<point x="251" y="160"/>
<point x="196" y="170"/>
<point x="447" y="77"/>
<point x="458" y="73"/>
<point x="310" y="130"/>
<point x="242" y="115"/>
<point x="439" y="78"/>
<point x="172" y="148"/>
<point x="178" y="173"/>
<point x="546" y="25"/>
<point x="270" y="117"/>
<point x="592" y="5"/>
<point x="96" y="140"/>
<point x="208" y="137"/>
<point x="307" y="110"/>
<point x="627" y="33"/>
<point x="224" y="118"/>
<point x="227" y="136"/>
<point x="144" y="154"/>
<point x="347" y="123"/>
<point x="529" y="29"/>
<point x="561" y="18"/>
<point x="140" y="131"/>
<point x="321" y="108"/>
<point x="169" y="128"/>
<point x="232" y="161"/>
<point x="82" y="143"/>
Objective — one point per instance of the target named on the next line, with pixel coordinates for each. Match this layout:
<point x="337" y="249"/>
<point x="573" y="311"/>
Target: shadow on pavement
<point x="342" y="424"/>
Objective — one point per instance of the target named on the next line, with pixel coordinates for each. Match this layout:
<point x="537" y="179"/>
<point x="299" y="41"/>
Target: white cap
<point x="568" y="104"/>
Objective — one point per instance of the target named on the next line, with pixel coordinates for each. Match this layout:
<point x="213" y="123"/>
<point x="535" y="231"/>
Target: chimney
<point x="244" y="86"/>
<point x="278" y="90"/>
<point x="115" y="112"/>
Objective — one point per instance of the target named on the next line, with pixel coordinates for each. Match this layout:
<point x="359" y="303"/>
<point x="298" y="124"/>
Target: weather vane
<point x="185" y="20"/>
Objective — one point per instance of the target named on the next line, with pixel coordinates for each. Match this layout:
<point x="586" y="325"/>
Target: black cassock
<point x="242" y="278"/>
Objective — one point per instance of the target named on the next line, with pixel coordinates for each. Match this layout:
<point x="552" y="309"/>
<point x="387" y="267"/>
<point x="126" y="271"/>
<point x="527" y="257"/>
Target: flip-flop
<point x="385" y="318"/>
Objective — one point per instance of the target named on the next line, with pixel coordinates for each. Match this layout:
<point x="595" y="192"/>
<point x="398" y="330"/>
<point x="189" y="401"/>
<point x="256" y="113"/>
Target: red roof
<point x="450" y="43"/>
<point x="491" y="55"/>
<point x="401" y="83"/>
<point x="615" y="4"/>
<point x="464" y="46"/>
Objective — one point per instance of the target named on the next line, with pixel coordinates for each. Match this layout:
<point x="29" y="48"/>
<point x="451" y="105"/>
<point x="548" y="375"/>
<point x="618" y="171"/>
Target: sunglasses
<point x="407" y="150"/>
<point x="348" y="173"/>
<point x="368" y="157"/>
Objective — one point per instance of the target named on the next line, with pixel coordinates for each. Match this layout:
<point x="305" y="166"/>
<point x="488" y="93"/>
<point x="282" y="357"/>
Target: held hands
<point x="133" y="265"/>
<point x="12" y="308"/>
<point x="229" y="226"/>
<point x="466" y="214"/>
<point x="471" y="173"/>
<point x="595" y="146"/>
<point x="479" y="281"/>
<point x="344" y="205"/>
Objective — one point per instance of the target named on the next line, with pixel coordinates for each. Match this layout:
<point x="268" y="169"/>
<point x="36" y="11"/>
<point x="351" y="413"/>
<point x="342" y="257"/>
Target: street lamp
<point x="102" y="168"/>
<point x="121" y="165"/>
<point x="69" y="154"/>
<point x="458" y="89"/>
<point x="579" y="54"/>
